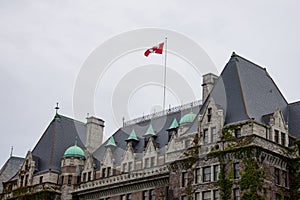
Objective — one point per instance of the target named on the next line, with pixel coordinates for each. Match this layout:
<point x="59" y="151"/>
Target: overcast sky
<point x="43" y="45"/>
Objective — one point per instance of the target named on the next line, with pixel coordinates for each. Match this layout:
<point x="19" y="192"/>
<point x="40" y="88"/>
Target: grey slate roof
<point x="294" y="119"/>
<point x="160" y="126"/>
<point x="245" y="90"/>
<point x="9" y="169"/>
<point x="59" y="135"/>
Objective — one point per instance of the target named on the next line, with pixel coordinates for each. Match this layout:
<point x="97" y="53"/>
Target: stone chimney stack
<point x="208" y="82"/>
<point x="94" y="133"/>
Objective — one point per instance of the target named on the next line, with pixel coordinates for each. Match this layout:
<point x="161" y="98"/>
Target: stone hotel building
<point x="239" y="142"/>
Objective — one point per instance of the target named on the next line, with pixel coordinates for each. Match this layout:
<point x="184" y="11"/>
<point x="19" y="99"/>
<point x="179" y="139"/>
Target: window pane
<point x="283" y="139"/>
<point x="276" y="172"/>
<point x="145" y="195"/>
<point x="216" y="194"/>
<point x="205" y="136"/>
<point x="207" y="195"/>
<point x="152" y="195"/>
<point x="206" y="174"/>
<point x="197" y="175"/>
<point x="216" y="172"/>
<point x="184" y="179"/>
<point x="197" y="196"/>
<point x="236" y="193"/>
<point x="236" y="167"/>
<point x="213" y="135"/>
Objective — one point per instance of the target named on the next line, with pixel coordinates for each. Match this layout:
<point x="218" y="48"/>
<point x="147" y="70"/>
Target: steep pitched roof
<point x="159" y="124"/>
<point x="59" y="135"/>
<point x="245" y="90"/>
<point x="9" y="169"/>
<point x="294" y="119"/>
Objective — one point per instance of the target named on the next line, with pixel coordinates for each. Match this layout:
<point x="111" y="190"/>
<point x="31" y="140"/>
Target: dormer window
<point x="209" y="115"/>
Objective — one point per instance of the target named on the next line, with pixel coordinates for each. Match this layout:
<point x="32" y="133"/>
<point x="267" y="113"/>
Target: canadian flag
<point x="156" y="49"/>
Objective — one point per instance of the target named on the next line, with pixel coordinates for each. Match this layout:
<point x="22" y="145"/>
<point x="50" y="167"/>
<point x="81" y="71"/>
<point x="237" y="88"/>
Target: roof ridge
<point x="70" y="119"/>
<point x="296" y="102"/>
<point x="241" y="88"/>
<point x="263" y="68"/>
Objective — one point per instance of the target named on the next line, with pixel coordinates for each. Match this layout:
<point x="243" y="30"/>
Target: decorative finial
<point x="56" y="108"/>
<point x="11" y="151"/>
<point x="76" y="140"/>
<point x="233" y="54"/>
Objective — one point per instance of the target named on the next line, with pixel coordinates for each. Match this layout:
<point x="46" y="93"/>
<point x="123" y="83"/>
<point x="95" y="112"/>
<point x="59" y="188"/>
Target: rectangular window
<point x="124" y="167"/>
<point x="26" y="180"/>
<point x="108" y="171"/>
<point x="184" y="197"/>
<point x="206" y="195"/>
<point x="84" y="177"/>
<point x="90" y="174"/>
<point x="22" y="179"/>
<point x="69" y="179"/>
<point x="205" y="135"/>
<point x="197" y="175"/>
<point x="216" y="172"/>
<point x="41" y="179"/>
<point x="145" y="195"/>
<point x="276" y="173"/>
<point x="213" y="135"/>
<point x="206" y="174"/>
<point x="237" y="133"/>
<point x="236" y="168"/>
<point x="62" y="179"/>
<point x="284" y="179"/>
<point x="197" y="196"/>
<point x="123" y="197"/>
<point x="283" y="139"/>
<point x="146" y="163"/>
<point x="152" y="161"/>
<point x="184" y="179"/>
<point x="209" y="115"/>
<point x="276" y="136"/>
<point x="130" y="166"/>
<point x="129" y="196"/>
<point x="236" y="194"/>
<point x="216" y="194"/>
<point x="152" y="195"/>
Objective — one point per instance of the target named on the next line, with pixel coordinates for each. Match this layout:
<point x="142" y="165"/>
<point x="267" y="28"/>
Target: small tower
<point x="71" y="166"/>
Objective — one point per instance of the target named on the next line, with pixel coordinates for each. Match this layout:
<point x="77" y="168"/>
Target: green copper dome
<point x="188" y="118"/>
<point x="74" y="151"/>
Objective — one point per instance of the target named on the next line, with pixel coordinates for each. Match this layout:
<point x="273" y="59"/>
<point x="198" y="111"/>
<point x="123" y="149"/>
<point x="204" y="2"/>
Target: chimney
<point x="208" y="83"/>
<point x="94" y="133"/>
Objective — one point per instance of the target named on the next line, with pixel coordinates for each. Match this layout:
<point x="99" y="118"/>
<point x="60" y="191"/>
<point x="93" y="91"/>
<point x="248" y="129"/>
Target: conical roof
<point x="150" y="131"/>
<point x="174" y="124"/>
<point x="111" y="142"/>
<point x="132" y="136"/>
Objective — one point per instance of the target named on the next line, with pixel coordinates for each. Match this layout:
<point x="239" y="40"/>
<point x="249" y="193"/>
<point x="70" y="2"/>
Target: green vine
<point x="225" y="183"/>
<point x="252" y="180"/>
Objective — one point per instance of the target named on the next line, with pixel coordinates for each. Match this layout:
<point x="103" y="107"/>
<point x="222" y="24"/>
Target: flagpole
<point x="165" y="75"/>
